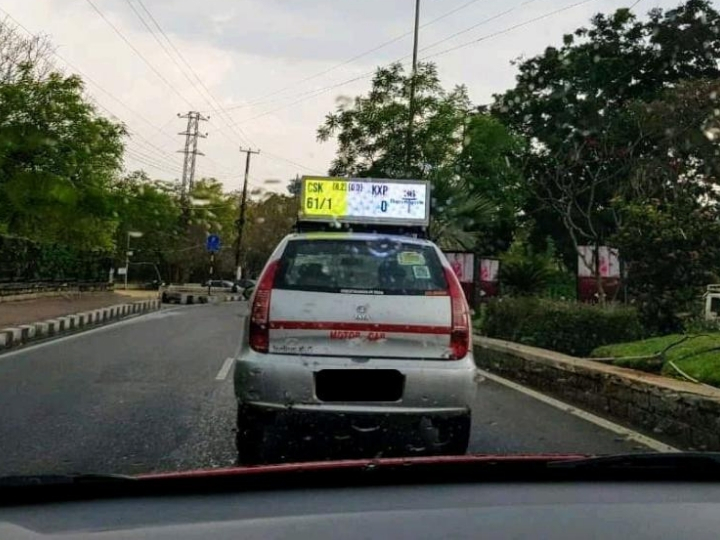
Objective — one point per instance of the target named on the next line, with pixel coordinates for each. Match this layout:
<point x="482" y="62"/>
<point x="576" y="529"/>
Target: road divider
<point x="682" y="413"/>
<point x="13" y="337"/>
<point x="187" y="298"/>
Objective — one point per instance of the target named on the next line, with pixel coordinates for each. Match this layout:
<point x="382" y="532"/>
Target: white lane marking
<point x="225" y="369"/>
<point x="589" y="417"/>
<point x="160" y="314"/>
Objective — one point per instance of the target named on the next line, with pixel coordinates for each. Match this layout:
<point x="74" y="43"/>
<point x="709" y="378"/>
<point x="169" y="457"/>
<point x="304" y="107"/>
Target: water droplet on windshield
<point x="712" y="133"/>
<point x="365" y="429"/>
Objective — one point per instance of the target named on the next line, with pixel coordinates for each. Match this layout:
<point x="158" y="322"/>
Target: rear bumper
<point x="277" y="383"/>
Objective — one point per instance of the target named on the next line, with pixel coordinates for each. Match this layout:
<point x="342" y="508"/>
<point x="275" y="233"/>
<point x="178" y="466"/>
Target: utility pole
<point x="192" y="134"/>
<point x="243" y="203"/>
<point x="411" y="105"/>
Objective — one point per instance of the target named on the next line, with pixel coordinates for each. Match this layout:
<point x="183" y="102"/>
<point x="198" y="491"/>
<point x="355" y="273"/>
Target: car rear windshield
<point x="382" y="266"/>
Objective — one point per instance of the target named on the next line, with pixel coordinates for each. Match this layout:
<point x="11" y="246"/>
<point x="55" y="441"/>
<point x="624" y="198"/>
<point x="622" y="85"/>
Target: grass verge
<point x="696" y="355"/>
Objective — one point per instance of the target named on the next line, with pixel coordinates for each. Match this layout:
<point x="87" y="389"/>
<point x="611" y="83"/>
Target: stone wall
<point x="684" y="414"/>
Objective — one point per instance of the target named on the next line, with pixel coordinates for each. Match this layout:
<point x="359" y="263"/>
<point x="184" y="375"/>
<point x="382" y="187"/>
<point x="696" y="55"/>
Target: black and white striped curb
<point x="68" y="324"/>
<point x="192" y="298"/>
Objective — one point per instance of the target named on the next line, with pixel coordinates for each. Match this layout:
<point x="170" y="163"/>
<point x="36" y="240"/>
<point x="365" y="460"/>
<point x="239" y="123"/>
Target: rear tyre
<point x="249" y="437"/>
<point x="456" y="431"/>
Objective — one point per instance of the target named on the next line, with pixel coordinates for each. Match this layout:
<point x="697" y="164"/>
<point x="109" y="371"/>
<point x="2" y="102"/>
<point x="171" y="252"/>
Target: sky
<point x="267" y="72"/>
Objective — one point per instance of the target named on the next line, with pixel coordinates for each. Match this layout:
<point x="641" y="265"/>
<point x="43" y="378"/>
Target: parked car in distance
<point x="247" y="286"/>
<point x="222" y="284"/>
<point x="245" y="283"/>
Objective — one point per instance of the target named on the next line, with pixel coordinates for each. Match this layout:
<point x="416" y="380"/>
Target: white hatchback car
<point x="364" y="327"/>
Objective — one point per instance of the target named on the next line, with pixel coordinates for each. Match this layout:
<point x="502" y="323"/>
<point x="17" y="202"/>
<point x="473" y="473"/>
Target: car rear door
<point x="375" y="298"/>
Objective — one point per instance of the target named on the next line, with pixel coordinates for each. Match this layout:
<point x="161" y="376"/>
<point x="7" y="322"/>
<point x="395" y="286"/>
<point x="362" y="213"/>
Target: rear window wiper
<point x="680" y="461"/>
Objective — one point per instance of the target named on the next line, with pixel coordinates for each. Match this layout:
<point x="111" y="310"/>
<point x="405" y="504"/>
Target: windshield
<point x="376" y="266"/>
<point x="240" y="234"/>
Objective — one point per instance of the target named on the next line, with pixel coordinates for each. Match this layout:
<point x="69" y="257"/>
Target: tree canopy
<point x="460" y="150"/>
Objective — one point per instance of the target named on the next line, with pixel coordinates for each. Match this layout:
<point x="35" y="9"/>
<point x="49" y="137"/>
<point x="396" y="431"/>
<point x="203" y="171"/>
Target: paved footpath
<point x="39" y="309"/>
<point x="154" y="393"/>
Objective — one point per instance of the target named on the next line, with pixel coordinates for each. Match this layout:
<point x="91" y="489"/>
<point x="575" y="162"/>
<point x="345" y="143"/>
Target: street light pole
<point x="411" y="105"/>
<point x="240" y="223"/>
<point x="127" y="259"/>
<point x="416" y="36"/>
<point x="130" y="234"/>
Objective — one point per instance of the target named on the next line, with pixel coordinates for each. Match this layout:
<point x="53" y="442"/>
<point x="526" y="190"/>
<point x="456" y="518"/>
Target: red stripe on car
<point x="360" y="327"/>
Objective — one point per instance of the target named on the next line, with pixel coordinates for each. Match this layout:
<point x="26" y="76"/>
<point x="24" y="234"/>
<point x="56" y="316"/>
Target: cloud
<point x="244" y="51"/>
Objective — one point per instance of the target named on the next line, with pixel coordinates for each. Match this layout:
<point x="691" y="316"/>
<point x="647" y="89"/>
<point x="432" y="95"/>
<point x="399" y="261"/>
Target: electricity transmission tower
<point x="192" y="134"/>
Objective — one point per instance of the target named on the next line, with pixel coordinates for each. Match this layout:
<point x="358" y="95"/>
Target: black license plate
<point x="359" y="385"/>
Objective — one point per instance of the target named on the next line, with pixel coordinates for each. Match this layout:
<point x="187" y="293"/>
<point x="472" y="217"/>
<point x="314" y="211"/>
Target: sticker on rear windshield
<point x="411" y="258"/>
<point x="421" y="272"/>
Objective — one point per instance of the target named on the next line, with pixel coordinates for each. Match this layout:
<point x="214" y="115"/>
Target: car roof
<point x="358" y="236"/>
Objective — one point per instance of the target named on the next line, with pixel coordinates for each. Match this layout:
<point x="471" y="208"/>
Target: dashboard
<point x="563" y="510"/>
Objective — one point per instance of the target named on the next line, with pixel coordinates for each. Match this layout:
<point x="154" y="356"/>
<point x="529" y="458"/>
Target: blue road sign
<point x="212" y="243"/>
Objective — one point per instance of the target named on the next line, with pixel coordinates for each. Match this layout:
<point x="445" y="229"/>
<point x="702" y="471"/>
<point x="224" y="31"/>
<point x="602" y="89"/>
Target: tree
<point x="523" y="271"/>
<point x="18" y="53"/>
<point x="58" y="157"/>
<point x="151" y="207"/>
<point x="490" y="161"/>
<point x="372" y="142"/>
<point x="672" y="255"/>
<point x="294" y="187"/>
<point x="212" y="211"/>
<point x="269" y="220"/>
<point x="573" y="103"/>
<point x="372" y="130"/>
<point x="669" y="207"/>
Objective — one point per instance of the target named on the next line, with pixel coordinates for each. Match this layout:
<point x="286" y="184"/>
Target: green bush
<point x="561" y="286"/>
<point x="566" y="327"/>
<point x="25" y="260"/>
<point x="524" y="276"/>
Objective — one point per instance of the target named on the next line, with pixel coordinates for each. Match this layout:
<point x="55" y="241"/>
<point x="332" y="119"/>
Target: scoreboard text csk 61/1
<point x="365" y="200"/>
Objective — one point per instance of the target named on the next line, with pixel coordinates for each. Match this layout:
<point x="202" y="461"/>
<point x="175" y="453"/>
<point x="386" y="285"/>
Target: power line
<point x="263" y="99"/>
<point x="212" y="102"/>
<point x="150" y="160"/>
<point x="89" y="79"/>
<point x="469" y="29"/>
<point x="311" y="94"/>
<point x="149" y="163"/>
<point x="509" y="29"/>
<point x="163" y="47"/>
<point x="317" y="92"/>
<point x="290" y="162"/>
<point x="160" y="154"/>
<point x="138" y="53"/>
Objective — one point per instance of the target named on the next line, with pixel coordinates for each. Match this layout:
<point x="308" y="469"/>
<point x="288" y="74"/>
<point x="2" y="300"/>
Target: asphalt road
<point x="149" y="395"/>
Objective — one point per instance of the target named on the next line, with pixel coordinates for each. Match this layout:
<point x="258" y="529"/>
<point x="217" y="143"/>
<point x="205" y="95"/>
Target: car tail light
<point x="460" y="335"/>
<point x="259" y="335"/>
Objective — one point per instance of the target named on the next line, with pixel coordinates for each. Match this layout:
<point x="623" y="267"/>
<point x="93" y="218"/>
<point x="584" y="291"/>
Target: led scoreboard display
<point x="365" y="200"/>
